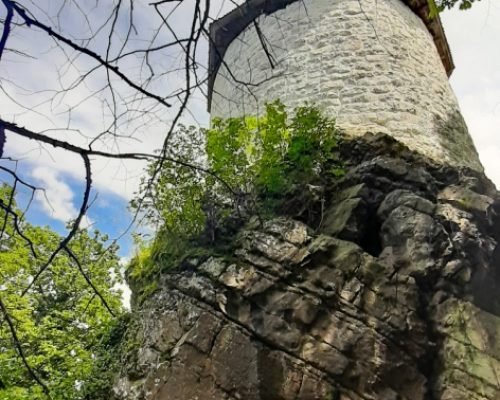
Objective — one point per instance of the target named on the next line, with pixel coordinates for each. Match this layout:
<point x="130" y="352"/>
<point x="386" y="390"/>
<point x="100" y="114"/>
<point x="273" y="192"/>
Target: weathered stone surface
<point x="405" y="308"/>
<point x="465" y="198"/>
<point x="345" y="219"/>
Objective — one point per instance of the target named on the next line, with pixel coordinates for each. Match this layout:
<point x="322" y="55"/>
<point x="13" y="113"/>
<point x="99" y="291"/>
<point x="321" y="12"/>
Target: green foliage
<point x="437" y="6"/>
<point x="174" y="200"/>
<point x="157" y="257"/>
<point x="151" y="259"/>
<point x="462" y="4"/>
<point x="256" y="164"/>
<point x="271" y="155"/>
<point x="108" y="353"/>
<point x="59" y="322"/>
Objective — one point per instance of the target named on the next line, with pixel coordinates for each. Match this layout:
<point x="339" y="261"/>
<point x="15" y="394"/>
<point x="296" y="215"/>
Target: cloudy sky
<point x="474" y="40"/>
<point x="474" y="37"/>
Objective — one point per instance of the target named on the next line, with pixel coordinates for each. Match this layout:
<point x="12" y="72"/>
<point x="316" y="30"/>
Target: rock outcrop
<point x="393" y="293"/>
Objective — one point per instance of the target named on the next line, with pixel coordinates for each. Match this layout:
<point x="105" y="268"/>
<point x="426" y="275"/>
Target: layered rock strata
<point x="392" y="294"/>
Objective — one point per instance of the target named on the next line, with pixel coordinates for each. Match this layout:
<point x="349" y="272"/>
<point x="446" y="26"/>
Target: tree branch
<point x="20" y="350"/>
<point x="113" y="68"/>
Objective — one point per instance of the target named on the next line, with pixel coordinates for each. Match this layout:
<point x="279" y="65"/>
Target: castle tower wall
<point x="372" y="64"/>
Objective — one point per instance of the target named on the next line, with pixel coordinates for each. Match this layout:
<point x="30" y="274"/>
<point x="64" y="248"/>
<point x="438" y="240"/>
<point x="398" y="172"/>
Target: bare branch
<point x="88" y="280"/>
<point x="113" y="68"/>
<point x="6" y="29"/>
<point x="75" y="226"/>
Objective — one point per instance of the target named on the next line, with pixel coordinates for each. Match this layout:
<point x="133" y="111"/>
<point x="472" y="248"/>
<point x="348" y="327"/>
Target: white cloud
<point x="126" y="295"/>
<point x="40" y="108"/>
<point x="125" y="289"/>
<point x="57" y="197"/>
<point x="115" y="176"/>
<point x="490" y="157"/>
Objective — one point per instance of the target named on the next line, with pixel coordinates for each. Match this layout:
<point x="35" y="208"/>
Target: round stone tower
<point x="374" y="65"/>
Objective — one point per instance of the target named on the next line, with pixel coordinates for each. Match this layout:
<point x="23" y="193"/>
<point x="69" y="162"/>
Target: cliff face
<point x="394" y="296"/>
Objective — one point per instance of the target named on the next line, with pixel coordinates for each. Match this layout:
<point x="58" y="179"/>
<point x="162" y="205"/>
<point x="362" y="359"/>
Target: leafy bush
<point x="272" y="154"/>
<point x="255" y="165"/>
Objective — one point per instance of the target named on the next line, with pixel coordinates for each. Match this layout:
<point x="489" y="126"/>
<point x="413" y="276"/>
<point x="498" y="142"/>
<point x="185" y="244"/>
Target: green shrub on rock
<point x="237" y="168"/>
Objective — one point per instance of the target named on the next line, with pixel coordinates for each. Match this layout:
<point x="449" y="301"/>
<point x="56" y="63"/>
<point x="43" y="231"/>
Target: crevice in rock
<point x="370" y="240"/>
<point x="485" y="283"/>
<point x="430" y="363"/>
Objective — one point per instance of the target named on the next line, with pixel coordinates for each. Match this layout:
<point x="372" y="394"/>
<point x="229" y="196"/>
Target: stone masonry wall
<point x="372" y="64"/>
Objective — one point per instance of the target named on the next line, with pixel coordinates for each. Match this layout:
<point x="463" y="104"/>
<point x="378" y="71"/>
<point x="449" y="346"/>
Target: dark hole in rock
<point x="370" y="238"/>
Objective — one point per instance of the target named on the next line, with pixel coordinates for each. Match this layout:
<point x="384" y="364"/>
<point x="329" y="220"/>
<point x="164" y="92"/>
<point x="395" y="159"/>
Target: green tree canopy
<point x="60" y="324"/>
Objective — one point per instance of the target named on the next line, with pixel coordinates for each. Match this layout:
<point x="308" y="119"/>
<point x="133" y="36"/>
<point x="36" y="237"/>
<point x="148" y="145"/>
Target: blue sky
<point x="473" y="36"/>
<point x="108" y="212"/>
